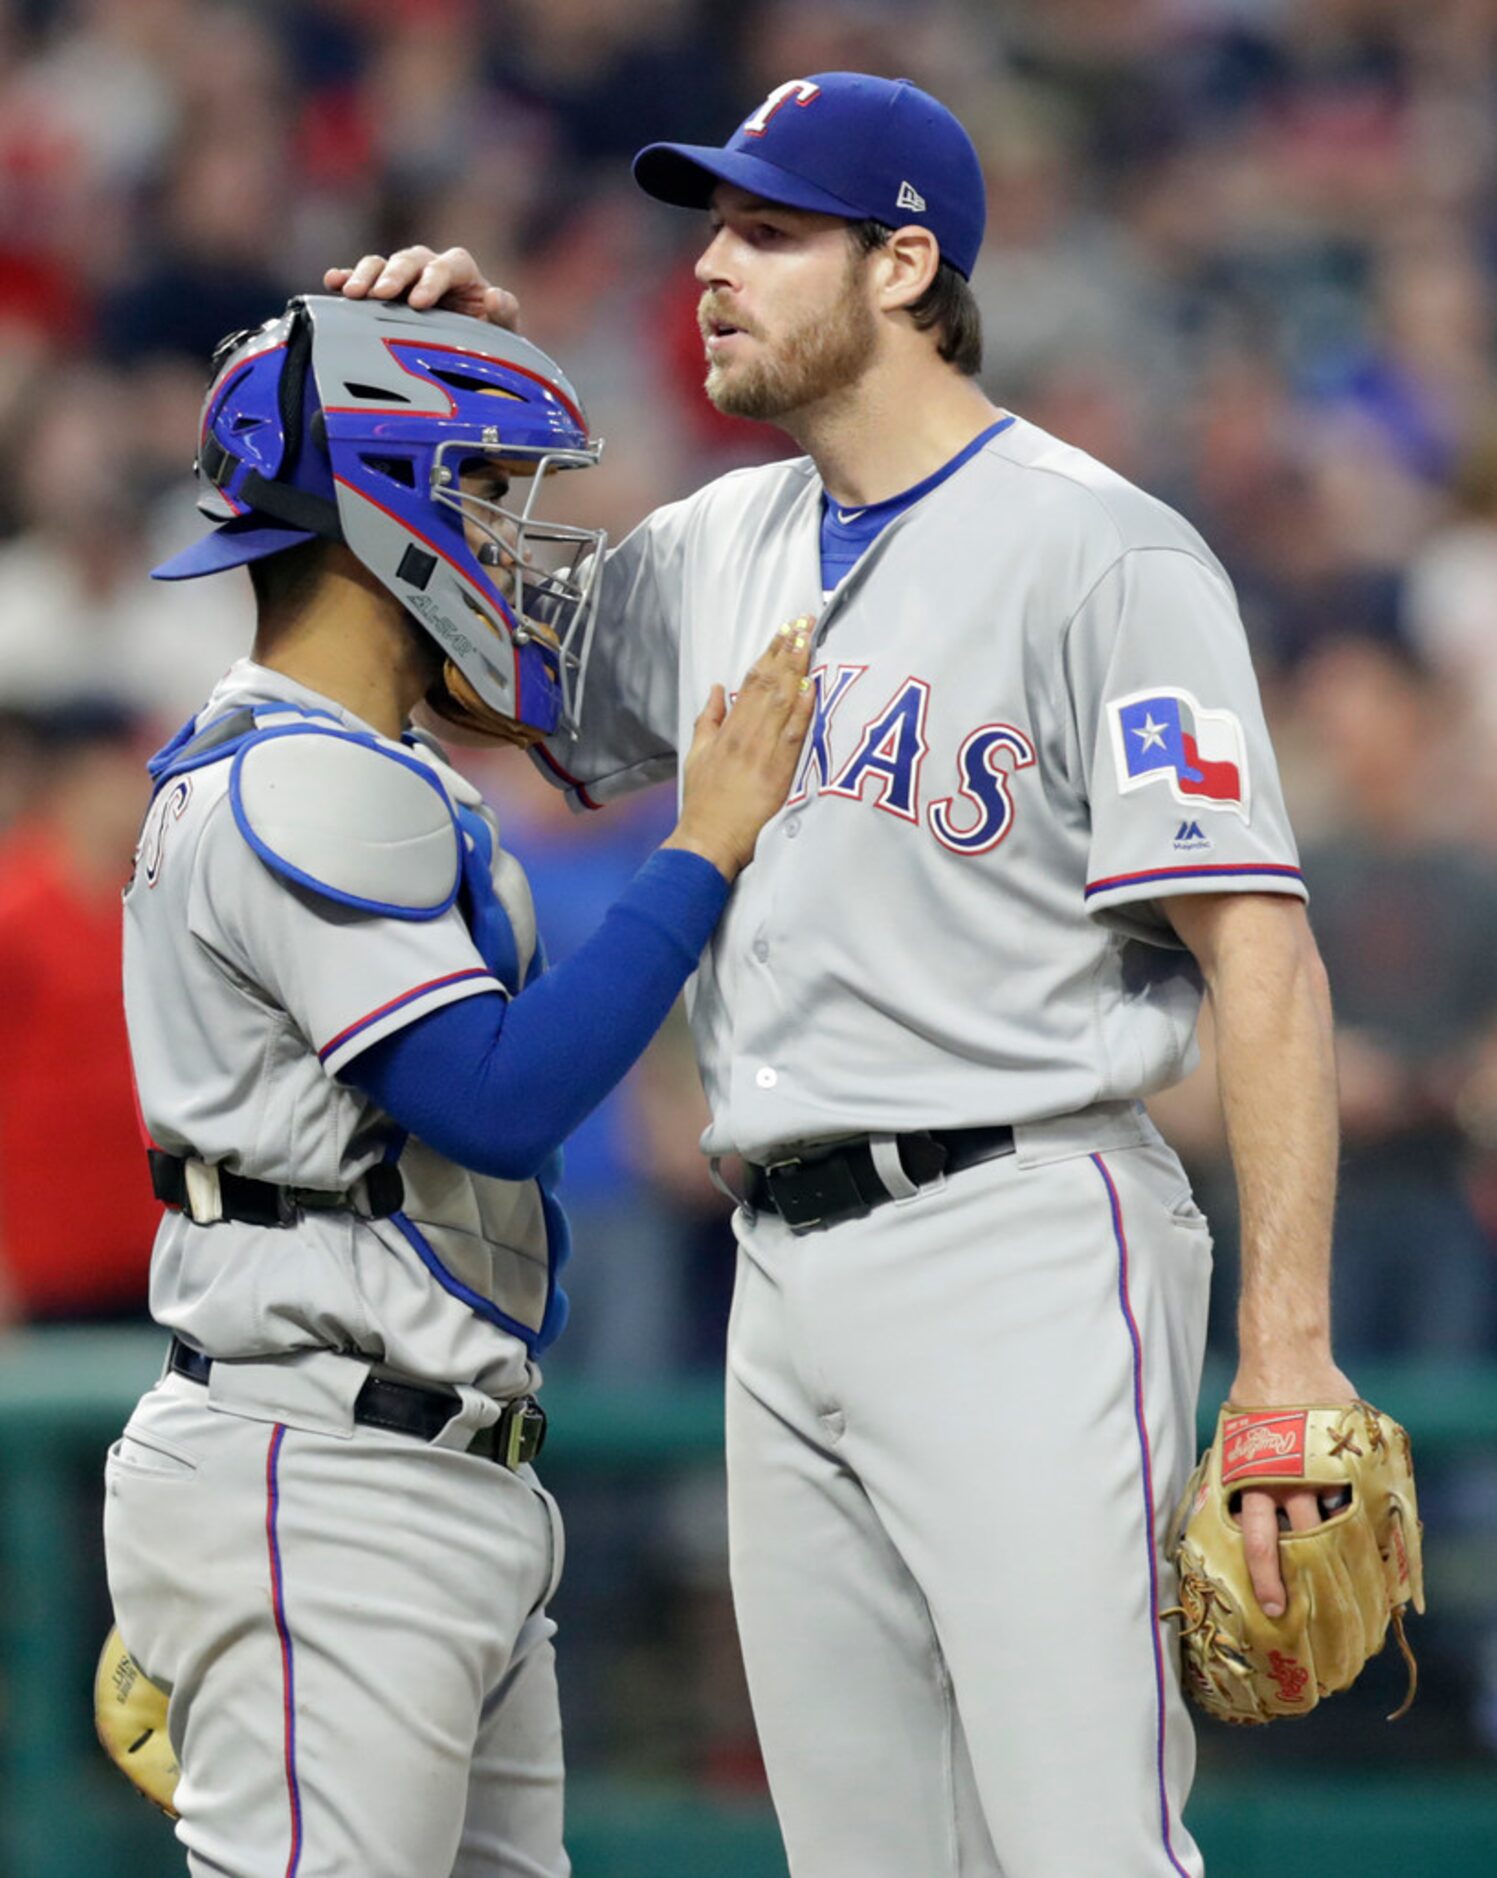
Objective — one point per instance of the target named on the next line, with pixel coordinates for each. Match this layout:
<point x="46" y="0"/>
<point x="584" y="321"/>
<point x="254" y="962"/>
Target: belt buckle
<point x="787" y="1165"/>
<point x="521" y="1432"/>
<point x="828" y="1191"/>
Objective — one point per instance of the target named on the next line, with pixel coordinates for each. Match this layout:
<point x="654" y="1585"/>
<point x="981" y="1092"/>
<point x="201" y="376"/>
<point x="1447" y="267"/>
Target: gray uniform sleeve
<point x="629" y="704"/>
<point x="344" y="978"/>
<point x="1168" y="744"/>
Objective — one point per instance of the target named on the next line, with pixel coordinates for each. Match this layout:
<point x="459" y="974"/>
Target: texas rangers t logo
<point x="1165" y="736"/>
<point x="801" y="89"/>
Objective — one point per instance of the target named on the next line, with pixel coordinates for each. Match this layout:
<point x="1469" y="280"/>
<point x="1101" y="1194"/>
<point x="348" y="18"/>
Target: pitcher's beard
<point x="819" y="358"/>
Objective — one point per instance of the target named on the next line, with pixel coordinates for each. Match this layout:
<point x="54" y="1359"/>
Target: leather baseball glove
<point x="130" y="1715"/>
<point x="1345" y="1579"/>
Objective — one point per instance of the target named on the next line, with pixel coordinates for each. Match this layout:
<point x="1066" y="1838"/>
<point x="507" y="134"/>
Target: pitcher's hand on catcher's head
<point x="425" y="279"/>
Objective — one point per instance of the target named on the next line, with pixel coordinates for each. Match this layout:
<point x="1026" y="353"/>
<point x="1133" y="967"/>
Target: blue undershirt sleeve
<point x="497" y="1085"/>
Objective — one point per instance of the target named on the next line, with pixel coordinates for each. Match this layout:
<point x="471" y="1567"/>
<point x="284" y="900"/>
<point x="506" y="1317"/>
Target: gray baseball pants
<point x="957" y="1428"/>
<point x="352" y="1625"/>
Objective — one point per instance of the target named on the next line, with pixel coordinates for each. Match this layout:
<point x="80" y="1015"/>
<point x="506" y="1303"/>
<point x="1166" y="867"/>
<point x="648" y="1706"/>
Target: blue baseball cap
<point x="841" y="143"/>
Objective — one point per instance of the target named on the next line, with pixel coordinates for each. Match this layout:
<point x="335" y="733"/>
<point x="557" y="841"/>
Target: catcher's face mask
<point x="402" y="434"/>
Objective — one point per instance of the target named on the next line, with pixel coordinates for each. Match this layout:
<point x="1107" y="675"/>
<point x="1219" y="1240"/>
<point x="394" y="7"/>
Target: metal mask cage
<point x="554" y="604"/>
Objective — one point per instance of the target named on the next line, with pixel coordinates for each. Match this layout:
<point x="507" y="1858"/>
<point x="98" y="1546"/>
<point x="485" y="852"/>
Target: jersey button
<point x="761" y="950"/>
<point x="792" y="827"/>
<point x="766" y="1078"/>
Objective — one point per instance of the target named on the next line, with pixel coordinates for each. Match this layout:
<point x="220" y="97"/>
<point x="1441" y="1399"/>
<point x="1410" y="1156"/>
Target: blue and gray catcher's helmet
<point x="354" y="421"/>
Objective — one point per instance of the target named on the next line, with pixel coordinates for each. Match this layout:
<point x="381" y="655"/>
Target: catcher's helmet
<point x="354" y="421"/>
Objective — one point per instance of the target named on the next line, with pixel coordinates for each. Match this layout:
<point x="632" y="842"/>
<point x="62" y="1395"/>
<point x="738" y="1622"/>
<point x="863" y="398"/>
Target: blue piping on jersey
<point x="1272" y="868"/>
<point x="288" y="871"/>
<point x="350" y="1031"/>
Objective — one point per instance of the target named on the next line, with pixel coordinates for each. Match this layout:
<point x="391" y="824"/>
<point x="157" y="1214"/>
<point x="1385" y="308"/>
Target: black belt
<point x="262" y="1202"/>
<point x="820" y="1186"/>
<point x="413" y="1408"/>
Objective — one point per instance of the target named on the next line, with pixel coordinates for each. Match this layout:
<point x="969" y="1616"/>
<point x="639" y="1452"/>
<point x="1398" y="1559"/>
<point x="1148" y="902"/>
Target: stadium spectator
<point x="77" y="1215"/>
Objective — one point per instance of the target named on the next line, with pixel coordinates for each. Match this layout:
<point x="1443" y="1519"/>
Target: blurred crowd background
<point x="1245" y="251"/>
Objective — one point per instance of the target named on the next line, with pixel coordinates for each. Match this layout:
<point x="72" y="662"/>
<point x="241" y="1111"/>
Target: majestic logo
<point x="1290" y="1674"/>
<point x="1258" y="1445"/>
<point x="1188" y="835"/>
<point x="800" y="89"/>
<point x="1165" y="736"/>
<point x="909" y="197"/>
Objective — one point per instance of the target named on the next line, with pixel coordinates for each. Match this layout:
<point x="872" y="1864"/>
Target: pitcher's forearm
<point x="1277" y="1072"/>
<point x="1277" y="1077"/>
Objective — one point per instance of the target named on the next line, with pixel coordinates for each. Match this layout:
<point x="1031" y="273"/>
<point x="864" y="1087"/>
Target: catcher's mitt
<point x="1345" y="1579"/>
<point x="130" y="1715"/>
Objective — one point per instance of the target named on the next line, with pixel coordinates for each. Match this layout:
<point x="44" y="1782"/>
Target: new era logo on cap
<point x="845" y="144"/>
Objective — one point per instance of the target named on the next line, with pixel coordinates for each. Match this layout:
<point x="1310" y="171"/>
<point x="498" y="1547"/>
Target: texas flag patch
<point x="1165" y="736"/>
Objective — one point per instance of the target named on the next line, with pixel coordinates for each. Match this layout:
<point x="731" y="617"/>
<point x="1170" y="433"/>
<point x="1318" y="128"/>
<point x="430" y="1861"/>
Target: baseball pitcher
<point x="1037" y="817"/>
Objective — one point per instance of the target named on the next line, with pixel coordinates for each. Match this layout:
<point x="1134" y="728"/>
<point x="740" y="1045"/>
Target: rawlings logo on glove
<point x="1262" y="1444"/>
<point x="1346" y="1580"/>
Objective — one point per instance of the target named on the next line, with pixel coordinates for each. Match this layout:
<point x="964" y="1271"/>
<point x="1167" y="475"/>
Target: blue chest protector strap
<point x="482" y="909"/>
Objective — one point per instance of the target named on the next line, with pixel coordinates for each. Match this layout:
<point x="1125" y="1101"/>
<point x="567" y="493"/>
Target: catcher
<point x="323" y="1530"/>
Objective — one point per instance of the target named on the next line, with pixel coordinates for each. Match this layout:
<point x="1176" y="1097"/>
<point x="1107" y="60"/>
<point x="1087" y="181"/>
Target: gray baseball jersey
<point x="304" y="887"/>
<point x="246" y="991"/>
<point x="1036" y="716"/>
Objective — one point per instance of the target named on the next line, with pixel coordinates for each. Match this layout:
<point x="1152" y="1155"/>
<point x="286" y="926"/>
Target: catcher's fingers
<point x="711" y="715"/>
<point x="1260" y="1521"/>
<point x="786" y="657"/>
<point x="776" y="687"/>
